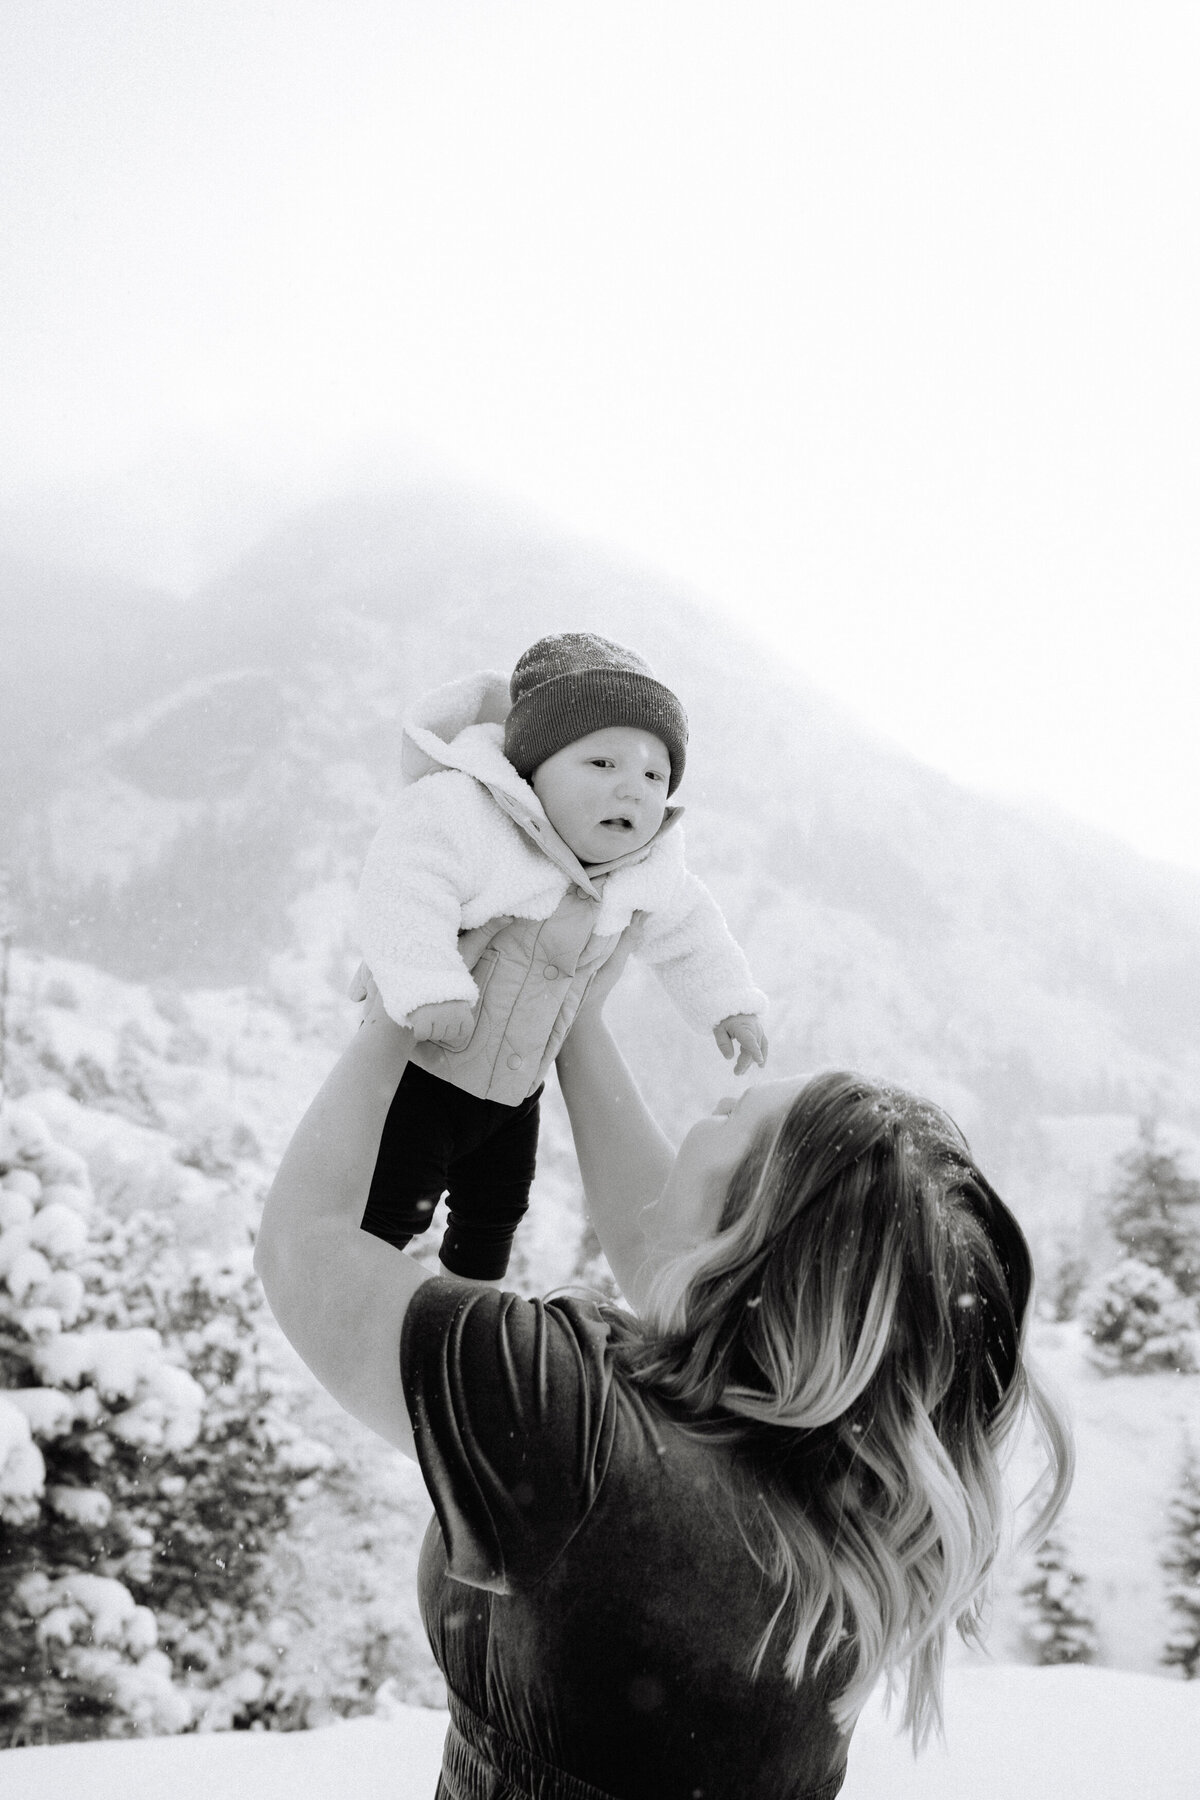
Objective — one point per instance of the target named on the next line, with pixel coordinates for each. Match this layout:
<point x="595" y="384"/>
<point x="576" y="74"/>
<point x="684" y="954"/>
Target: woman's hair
<point x="855" y="1330"/>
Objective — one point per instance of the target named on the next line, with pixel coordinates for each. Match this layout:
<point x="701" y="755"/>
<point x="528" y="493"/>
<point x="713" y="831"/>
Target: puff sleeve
<point x="514" y="1412"/>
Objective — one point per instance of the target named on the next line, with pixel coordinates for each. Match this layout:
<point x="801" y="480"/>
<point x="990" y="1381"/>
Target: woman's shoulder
<point x="558" y="1374"/>
<point x="480" y="1364"/>
<point x="579" y="1315"/>
<point x="515" y="1418"/>
<point x="561" y="1367"/>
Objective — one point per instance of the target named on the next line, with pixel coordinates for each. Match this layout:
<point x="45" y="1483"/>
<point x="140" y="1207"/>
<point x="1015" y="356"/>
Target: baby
<point x="534" y="836"/>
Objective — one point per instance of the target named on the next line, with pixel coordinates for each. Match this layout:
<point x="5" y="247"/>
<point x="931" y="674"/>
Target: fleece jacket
<point x="468" y="893"/>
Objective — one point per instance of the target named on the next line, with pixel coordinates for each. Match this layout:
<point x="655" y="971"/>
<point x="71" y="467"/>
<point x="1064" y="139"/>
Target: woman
<point x="675" y="1548"/>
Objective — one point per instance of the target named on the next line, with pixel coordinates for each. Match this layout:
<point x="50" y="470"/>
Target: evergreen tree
<point x="146" y="1463"/>
<point x="1064" y="1278"/>
<point x="1059" y="1626"/>
<point x="1181" y="1562"/>
<point x="1154" y="1210"/>
<point x="1139" y="1322"/>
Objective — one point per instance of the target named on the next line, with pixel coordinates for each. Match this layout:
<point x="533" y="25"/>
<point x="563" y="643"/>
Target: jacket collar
<point x="461" y="726"/>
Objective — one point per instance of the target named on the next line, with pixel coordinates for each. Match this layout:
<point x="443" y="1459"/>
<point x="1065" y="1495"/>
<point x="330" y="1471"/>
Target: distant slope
<point x="217" y="813"/>
<point x="76" y="649"/>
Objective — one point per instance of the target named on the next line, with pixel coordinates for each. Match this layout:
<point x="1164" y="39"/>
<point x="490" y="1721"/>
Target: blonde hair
<point x="855" y="1331"/>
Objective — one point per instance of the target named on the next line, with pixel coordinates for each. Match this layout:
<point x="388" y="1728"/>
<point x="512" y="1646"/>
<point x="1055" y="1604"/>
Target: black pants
<point x="437" y="1140"/>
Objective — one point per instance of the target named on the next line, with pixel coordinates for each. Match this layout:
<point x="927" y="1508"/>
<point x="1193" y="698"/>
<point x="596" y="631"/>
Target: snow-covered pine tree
<point x="78" y="1654"/>
<point x="1153" y="1210"/>
<point x="1181" y="1564"/>
<point x="1138" y="1321"/>
<point x="214" y="1514"/>
<point x="1058" y="1623"/>
<point x="1063" y="1272"/>
<point x="146" y="1462"/>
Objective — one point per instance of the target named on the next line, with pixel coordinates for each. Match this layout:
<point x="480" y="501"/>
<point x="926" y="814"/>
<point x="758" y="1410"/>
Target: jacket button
<point x="514" y="1062"/>
<point x="550" y="972"/>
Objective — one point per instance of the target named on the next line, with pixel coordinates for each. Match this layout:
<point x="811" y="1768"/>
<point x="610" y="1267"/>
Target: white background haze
<point x="874" y="323"/>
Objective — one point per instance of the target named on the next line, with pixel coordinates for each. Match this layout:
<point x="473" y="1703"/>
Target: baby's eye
<point x="655" y="775"/>
<point x="601" y="762"/>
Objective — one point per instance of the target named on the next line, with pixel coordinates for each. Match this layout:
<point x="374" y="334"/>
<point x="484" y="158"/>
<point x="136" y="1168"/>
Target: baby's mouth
<point x="621" y="822"/>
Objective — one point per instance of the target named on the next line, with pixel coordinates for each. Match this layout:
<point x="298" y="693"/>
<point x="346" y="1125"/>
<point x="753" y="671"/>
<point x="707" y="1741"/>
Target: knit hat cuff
<point x="566" y="707"/>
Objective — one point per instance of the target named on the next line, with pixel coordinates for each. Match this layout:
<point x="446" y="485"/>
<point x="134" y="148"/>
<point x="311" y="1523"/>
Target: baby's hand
<point x="744" y="1030"/>
<point x="450" y="1022"/>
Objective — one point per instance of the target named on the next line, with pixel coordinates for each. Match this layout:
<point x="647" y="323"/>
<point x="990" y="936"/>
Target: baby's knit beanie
<point x="576" y="682"/>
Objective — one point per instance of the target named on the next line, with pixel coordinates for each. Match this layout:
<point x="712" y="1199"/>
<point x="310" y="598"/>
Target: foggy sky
<point x="875" y="322"/>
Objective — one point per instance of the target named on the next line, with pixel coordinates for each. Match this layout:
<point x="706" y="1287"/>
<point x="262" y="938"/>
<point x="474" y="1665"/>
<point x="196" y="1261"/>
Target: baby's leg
<point x="416" y="1148"/>
<point x="489" y="1193"/>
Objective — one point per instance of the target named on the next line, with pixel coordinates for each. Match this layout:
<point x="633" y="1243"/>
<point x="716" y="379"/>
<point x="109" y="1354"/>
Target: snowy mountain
<point x="191" y="789"/>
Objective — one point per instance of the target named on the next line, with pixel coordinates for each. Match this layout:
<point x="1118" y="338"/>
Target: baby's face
<point x="606" y="793"/>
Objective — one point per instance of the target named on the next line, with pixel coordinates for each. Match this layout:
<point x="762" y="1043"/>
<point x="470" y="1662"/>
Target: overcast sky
<point x="876" y="322"/>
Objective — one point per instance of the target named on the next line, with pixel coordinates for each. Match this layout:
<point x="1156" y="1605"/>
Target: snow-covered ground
<point x="1013" y="1734"/>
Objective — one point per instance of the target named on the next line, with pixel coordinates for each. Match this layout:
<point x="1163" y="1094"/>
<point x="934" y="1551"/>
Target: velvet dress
<point x="587" y="1591"/>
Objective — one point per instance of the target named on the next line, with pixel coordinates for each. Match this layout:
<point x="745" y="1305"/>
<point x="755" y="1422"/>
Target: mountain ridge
<point x="212" y="819"/>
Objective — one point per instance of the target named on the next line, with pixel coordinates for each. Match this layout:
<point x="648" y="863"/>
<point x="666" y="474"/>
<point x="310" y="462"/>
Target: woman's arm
<point x="624" y="1157"/>
<point x="339" y="1293"/>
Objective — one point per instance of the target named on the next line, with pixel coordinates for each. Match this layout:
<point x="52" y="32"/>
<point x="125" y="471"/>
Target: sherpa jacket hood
<point x="468" y="893"/>
<point x="461" y="726"/>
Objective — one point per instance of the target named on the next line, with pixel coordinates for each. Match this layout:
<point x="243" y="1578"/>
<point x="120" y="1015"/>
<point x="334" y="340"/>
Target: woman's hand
<point x="362" y="985"/>
<point x="363" y="988"/>
<point x="605" y="980"/>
